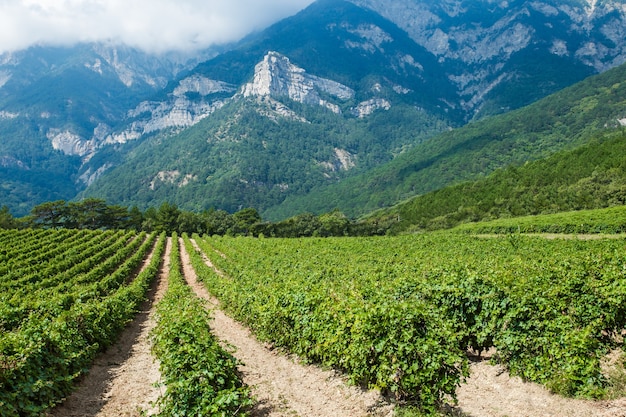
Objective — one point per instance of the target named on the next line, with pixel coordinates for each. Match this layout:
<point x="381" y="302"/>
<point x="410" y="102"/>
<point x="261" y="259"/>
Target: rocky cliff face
<point x="133" y="68"/>
<point x="476" y="41"/>
<point x="478" y="31"/>
<point x="193" y="99"/>
<point x="276" y="76"/>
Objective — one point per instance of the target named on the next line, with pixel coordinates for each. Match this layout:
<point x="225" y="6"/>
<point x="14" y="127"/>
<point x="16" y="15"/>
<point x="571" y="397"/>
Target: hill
<point x="592" y="176"/>
<point x="565" y="120"/>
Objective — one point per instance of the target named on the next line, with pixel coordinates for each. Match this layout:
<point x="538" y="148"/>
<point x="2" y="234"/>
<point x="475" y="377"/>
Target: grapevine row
<point x="17" y="274"/>
<point x="201" y="378"/>
<point x="74" y="284"/>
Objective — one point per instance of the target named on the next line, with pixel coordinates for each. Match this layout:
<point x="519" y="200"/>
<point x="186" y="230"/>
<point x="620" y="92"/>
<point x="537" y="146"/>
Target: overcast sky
<point x="153" y="25"/>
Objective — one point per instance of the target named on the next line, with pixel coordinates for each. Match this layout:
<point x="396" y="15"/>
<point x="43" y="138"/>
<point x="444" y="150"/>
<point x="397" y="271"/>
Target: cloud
<point x="152" y="25"/>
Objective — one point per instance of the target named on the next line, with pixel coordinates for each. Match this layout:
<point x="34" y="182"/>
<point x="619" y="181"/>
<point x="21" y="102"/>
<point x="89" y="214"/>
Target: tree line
<point x="93" y="213"/>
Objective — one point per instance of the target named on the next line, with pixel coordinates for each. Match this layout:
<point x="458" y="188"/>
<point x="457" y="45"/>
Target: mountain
<point x="331" y="94"/>
<point x="312" y="101"/>
<point x="58" y="104"/>
<point x="563" y="121"/>
<point x="502" y="55"/>
<point x="284" y="132"/>
<point x="312" y="110"/>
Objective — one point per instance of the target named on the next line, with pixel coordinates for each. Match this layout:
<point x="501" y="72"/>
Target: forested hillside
<point x="590" y="177"/>
<point x="240" y="158"/>
<point x="562" y="121"/>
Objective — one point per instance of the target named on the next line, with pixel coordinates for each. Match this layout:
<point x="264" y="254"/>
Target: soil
<point x="122" y="381"/>
<point x="492" y="392"/>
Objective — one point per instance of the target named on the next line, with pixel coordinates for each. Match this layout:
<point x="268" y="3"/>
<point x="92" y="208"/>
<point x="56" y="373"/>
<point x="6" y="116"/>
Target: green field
<point x="600" y="221"/>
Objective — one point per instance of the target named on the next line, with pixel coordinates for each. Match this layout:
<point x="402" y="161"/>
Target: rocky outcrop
<point x="368" y="107"/>
<point x="372" y="37"/>
<point x="274" y="110"/>
<point x="11" y="162"/>
<point x="342" y="160"/>
<point x="89" y="176"/>
<point x="5" y="76"/>
<point x="474" y="41"/>
<point x="172" y="177"/>
<point x="70" y="143"/>
<point x="179" y="111"/>
<point x="8" y="115"/>
<point x="277" y="77"/>
<point x="201" y="85"/>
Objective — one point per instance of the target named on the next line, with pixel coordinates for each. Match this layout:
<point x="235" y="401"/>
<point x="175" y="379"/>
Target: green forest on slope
<point x="592" y="176"/>
<point x="562" y="121"/>
<point x="240" y="158"/>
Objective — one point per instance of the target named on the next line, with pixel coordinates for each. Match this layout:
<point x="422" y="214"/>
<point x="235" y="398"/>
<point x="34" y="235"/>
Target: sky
<point x="152" y="25"/>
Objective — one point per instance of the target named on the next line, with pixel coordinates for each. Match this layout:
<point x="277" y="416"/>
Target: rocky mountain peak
<point x="276" y="76"/>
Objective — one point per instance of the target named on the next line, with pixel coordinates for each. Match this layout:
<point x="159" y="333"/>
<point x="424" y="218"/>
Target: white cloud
<point x="153" y="25"/>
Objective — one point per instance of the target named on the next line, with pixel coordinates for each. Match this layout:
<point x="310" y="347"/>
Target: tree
<point x="167" y="218"/>
<point x="302" y="225"/>
<point x="7" y="221"/>
<point x="217" y="222"/>
<point x="245" y="219"/>
<point x="90" y="213"/>
<point x="50" y="215"/>
<point x="135" y="219"/>
<point x="190" y="223"/>
<point x="116" y="217"/>
<point x="334" y="223"/>
<point x="149" y="219"/>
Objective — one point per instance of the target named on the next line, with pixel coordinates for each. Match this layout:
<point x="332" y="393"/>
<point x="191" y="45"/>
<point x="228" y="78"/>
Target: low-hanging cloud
<point x="152" y="25"/>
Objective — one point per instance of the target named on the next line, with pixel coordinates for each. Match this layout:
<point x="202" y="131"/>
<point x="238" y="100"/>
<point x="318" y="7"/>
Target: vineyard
<point x="393" y="313"/>
<point x="65" y="296"/>
<point x="399" y="313"/>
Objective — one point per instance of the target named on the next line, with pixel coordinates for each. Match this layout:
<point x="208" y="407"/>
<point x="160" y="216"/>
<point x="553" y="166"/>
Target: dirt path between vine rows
<point x="121" y="382"/>
<point x="282" y="386"/>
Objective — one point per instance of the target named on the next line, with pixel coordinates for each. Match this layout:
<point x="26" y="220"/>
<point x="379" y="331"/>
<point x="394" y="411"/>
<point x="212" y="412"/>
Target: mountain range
<point x="285" y="118"/>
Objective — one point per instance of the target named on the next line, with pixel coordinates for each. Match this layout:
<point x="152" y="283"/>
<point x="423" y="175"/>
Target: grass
<point x="616" y="373"/>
